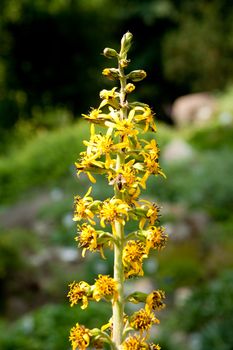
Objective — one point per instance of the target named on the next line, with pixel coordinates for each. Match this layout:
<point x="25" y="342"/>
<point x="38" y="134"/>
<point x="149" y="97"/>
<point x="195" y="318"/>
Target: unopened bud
<point x="110" y="53"/>
<point x="129" y="88"/>
<point x="111" y="73"/>
<point x="137" y="297"/>
<point x="124" y="63"/>
<point x="140" y="211"/>
<point x="137" y="75"/>
<point x="95" y="331"/>
<point x="126" y="43"/>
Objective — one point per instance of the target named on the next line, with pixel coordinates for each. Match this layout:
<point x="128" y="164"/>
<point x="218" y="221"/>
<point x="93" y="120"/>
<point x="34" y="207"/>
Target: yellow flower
<point x="111" y="210"/>
<point x="150" y="162"/>
<point x="133" y="254"/>
<point x="146" y="117"/>
<point x="154" y="301"/>
<point x="134" y="343"/>
<point x="151" y="214"/>
<point x="153" y="148"/>
<point x="125" y="128"/>
<point x="155" y="238"/>
<point x="79" y="337"/>
<point x="143" y="320"/>
<point x="132" y="195"/>
<point x="87" y="238"/>
<point x="101" y="145"/>
<point x="125" y="177"/>
<point x="105" y="287"/>
<point x="96" y="116"/>
<point x="82" y="208"/>
<point x="78" y="292"/>
<point x="109" y="97"/>
<point x="87" y="163"/>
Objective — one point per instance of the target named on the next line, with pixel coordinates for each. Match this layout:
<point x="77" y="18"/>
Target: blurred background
<point x="50" y="73"/>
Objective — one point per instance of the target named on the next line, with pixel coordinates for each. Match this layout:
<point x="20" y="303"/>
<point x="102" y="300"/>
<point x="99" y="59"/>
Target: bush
<point x="48" y="328"/>
<point x="214" y="137"/>
<point x="41" y="161"/>
<point x="209" y="313"/>
<point x="204" y="183"/>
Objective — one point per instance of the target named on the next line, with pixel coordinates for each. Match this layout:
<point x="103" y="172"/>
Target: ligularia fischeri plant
<point x="126" y="159"/>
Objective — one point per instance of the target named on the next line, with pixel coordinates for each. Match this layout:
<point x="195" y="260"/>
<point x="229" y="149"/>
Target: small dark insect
<point x="119" y="180"/>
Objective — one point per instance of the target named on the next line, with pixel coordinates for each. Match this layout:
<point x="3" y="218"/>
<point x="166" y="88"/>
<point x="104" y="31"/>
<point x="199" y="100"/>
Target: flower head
<point x="153" y="148"/>
<point x="101" y="145"/>
<point x="134" y="342"/>
<point x="96" y="116"/>
<point x="125" y="128"/>
<point x="78" y="292"/>
<point x="87" y="163"/>
<point x="87" y="238"/>
<point x="125" y="177"/>
<point x="79" y="337"/>
<point x="155" y="300"/>
<point x="111" y="210"/>
<point x="143" y="320"/>
<point x="110" y="97"/>
<point x="133" y="254"/>
<point x="150" y="162"/>
<point x="147" y="118"/>
<point x="155" y="238"/>
<point x="152" y="213"/>
<point x="105" y="287"/>
<point x="82" y="207"/>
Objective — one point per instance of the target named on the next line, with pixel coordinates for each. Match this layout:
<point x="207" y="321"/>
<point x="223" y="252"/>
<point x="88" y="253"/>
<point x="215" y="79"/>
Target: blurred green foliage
<point x="49" y="74"/>
<point x="195" y="183"/>
<point x="43" y="160"/>
<point x="48" y="328"/>
<point x="50" y="54"/>
<point x="205" y="317"/>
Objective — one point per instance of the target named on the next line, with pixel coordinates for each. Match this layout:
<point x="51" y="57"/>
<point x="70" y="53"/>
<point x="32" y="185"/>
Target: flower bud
<point x="95" y="331"/>
<point x="137" y="297"/>
<point x="126" y="42"/>
<point x="124" y="63"/>
<point x="110" y="53"/>
<point x="129" y="88"/>
<point x="125" y="45"/>
<point x="137" y="75"/>
<point x="140" y="211"/>
<point x="111" y="73"/>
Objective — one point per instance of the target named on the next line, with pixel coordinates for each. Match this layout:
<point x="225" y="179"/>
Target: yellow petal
<point x="91" y="178"/>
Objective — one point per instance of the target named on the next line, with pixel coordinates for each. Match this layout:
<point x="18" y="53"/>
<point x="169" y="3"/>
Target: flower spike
<point x="127" y="160"/>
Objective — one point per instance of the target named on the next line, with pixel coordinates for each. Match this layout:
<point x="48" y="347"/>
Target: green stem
<point x="118" y="306"/>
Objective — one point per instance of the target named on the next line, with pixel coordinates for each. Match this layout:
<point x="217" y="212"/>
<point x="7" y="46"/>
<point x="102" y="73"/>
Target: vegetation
<point x="55" y="64"/>
<point x="46" y="81"/>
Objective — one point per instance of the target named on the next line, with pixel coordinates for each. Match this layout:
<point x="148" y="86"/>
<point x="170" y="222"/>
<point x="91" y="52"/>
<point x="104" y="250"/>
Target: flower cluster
<point x="119" y="148"/>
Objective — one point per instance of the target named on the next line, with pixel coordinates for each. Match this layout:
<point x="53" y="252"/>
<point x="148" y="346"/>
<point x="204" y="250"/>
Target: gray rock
<point x="193" y="109"/>
<point x="177" y="150"/>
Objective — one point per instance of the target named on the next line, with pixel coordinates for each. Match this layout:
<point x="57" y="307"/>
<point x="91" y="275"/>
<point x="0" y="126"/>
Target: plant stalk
<point x="118" y="306"/>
